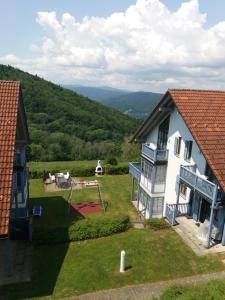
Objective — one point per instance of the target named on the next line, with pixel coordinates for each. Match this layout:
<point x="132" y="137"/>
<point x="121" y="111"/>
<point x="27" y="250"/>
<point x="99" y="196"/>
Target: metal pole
<point x="132" y="192"/>
<point x="177" y="202"/>
<point x="122" y="261"/>
<point x="211" y="219"/>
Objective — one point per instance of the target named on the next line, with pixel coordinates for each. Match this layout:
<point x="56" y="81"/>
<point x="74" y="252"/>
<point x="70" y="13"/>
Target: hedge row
<point x="82" y="171"/>
<point x="82" y="230"/>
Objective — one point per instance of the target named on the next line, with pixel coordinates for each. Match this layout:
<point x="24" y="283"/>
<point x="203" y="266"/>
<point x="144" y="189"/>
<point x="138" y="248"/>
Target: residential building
<point x="14" y="210"/>
<point x="182" y="168"/>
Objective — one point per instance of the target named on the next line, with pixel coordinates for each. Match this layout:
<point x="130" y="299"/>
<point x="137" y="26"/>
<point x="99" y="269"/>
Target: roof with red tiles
<point x="204" y="114"/>
<point x="9" y="103"/>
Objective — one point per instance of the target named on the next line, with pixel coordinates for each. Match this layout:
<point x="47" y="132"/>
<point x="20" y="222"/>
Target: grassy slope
<point x="64" y="270"/>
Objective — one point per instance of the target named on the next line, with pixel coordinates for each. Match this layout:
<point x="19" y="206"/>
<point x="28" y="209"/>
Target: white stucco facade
<point x="177" y="128"/>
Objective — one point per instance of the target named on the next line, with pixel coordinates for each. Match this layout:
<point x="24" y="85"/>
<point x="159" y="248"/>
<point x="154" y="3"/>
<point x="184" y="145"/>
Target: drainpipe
<point x="211" y="219"/>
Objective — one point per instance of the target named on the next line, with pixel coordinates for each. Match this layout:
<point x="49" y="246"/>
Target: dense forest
<point x="66" y="126"/>
<point x="135" y="104"/>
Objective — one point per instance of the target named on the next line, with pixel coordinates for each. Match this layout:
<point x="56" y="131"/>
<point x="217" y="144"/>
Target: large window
<point x="147" y="169"/>
<point x="188" y="150"/>
<point x="177" y="145"/>
<point x="163" y="134"/>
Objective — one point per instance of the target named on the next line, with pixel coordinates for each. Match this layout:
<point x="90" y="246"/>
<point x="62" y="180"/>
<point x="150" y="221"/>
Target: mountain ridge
<point x="135" y="104"/>
<point x="66" y="126"/>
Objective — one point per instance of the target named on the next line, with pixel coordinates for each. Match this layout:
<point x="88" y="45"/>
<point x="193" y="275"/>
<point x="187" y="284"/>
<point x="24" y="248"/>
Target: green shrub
<point x="116" y="170"/>
<point x="82" y="230"/>
<point x="112" y="161"/>
<point x="157" y="224"/>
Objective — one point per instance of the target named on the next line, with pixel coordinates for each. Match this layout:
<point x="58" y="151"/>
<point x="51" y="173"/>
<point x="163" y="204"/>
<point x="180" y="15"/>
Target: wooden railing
<point x="135" y="170"/>
<point x="204" y="186"/>
<point x="154" y="154"/>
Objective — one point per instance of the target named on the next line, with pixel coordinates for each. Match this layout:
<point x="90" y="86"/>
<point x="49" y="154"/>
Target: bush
<point x="157" y="224"/>
<point x="112" y="161"/>
<point x="82" y="230"/>
<point x="117" y="170"/>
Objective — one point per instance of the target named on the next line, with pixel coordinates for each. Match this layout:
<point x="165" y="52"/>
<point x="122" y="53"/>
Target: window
<point x="183" y="190"/>
<point x="163" y="134"/>
<point x="188" y="150"/>
<point x="177" y="145"/>
<point x="147" y="169"/>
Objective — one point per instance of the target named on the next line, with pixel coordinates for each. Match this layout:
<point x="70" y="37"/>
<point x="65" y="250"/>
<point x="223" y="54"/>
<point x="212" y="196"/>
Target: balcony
<point x="205" y="187"/>
<point x="135" y="170"/>
<point x="154" y="154"/>
<point x="20" y="158"/>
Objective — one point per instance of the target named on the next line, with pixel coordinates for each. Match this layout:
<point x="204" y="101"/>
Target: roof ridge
<point x="197" y="90"/>
<point x="9" y="81"/>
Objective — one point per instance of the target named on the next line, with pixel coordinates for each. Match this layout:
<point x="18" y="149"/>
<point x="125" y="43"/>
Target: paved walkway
<point x="148" y="290"/>
<point x="188" y="231"/>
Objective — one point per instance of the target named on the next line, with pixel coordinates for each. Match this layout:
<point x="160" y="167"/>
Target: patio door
<point x="204" y="211"/>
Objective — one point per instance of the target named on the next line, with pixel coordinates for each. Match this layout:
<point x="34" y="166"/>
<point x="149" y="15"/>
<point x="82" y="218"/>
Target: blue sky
<point x="112" y="51"/>
<point x="19" y="29"/>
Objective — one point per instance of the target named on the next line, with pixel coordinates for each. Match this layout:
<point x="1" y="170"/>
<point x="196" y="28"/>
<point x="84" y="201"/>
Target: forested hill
<point x="135" y="104"/>
<point x="66" y="126"/>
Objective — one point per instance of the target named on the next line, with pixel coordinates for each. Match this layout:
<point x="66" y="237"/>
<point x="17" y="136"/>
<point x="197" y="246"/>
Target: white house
<point x="182" y="168"/>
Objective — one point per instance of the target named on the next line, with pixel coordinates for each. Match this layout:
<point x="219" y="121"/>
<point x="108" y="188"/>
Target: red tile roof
<point x="204" y="114"/>
<point x="9" y="100"/>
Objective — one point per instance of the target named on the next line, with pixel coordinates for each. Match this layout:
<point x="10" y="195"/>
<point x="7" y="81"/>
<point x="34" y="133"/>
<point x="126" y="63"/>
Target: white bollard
<point x="122" y="261"/>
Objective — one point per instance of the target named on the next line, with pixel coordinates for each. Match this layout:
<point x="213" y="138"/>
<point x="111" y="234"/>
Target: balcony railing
<point x="154" y="154"/>
<point x="204" y="186"/>
<point x="20" y="158"/>
<point x="135" y="170"/>
<point x="176" y="210"/>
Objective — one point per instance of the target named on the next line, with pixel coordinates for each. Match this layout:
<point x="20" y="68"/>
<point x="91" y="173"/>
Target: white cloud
<point x="147" y="47"/>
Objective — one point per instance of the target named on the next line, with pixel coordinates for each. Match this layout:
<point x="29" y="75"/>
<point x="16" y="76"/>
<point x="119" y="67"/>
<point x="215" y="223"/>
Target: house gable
<point x="203" y="113"/>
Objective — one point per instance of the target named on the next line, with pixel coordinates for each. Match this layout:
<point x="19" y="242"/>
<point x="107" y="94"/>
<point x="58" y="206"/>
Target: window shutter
<point x="186" y="149"/>
<point x="176" y="145"/>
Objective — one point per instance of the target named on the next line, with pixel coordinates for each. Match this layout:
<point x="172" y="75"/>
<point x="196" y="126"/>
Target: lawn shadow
<point x="128" y="268"/>
<point x="50" y="245"/>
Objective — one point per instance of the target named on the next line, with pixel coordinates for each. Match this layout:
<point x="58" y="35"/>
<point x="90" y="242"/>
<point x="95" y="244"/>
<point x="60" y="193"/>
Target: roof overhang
<point x="160" y="112"/>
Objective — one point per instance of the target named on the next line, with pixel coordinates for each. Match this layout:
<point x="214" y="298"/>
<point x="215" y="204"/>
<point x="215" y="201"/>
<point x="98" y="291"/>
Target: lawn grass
<point x="64" y="270"/>
<point x="67" y="269"/>
<point x="63" y="165"/>
<point x="213" y="290"/>
<point x="116" y="192"/>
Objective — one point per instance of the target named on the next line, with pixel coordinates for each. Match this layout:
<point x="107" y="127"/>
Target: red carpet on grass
<point x="85" y="208"/>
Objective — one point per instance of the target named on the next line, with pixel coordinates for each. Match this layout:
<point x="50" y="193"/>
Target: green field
<point x="62" y="165"/>
<point x="67" y="269"/>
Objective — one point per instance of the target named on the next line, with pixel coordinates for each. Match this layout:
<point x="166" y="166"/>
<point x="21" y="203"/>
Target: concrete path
<point x="148" y="290"/>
